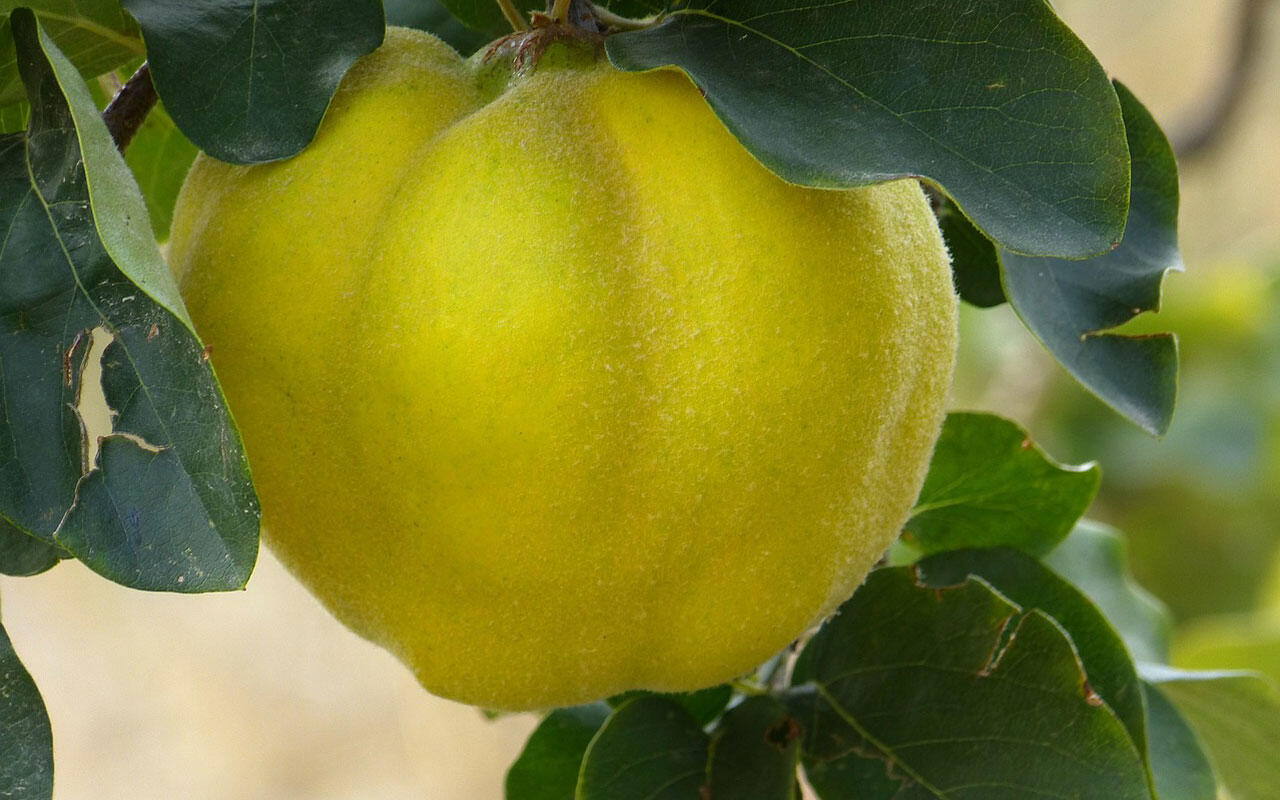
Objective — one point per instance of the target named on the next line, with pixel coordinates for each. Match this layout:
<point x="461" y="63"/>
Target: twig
<point x="1200" y="137"/>
<point x="126" y="112"/>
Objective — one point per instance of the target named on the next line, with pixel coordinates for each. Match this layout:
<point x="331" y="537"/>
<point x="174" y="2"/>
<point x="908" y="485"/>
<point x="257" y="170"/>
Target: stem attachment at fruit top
<point x="127" y="111"/>
<point x="513" y="15"/>
<point x="560" y="11"/>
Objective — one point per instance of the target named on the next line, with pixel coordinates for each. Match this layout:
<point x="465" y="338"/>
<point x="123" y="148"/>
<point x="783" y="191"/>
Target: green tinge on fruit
<point x="555" y="391"/>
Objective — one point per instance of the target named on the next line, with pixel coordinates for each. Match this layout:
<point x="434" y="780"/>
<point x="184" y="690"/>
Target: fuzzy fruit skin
<point x="551" y="389"/>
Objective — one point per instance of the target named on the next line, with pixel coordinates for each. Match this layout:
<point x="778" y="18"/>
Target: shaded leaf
<point x="754" y="752"/>
<point x="431" y="16"/>
<point x="26" y="741"/>
<point x="955" y="693"/>
<point x="548" y="767"/>
<point x="249" y="80"/>
<point x="703" y="705"/>
<point x="998" y="103"/>
<point x="1236" y="716"/>
<point x="990" y="485"/>
<point x="1182" y="770"/>
<point x="1094" y="559"/>
<point x="80" y="276"/>
<point x="22" y="554"/>
<point x="648" y="749"/>
<point x="1071" y="305"/>
<point x="975" y="264"/>
<point x="95" y="35"/>
<point x="1024" y="580"/>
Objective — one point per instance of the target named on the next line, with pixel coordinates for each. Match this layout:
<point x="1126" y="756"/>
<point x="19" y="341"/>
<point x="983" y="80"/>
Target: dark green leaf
<point x="975" y="264"/>
<point x="486" y="17"/>
<point x="26" y="741"/>
<point x="956" y="693"/>
<point x="159" y="156"/>
<point x="998" y="103"/>
<point x="754" y="752"/>
<point x="95" y="35"/>
<point x="1070" y="305"/>
<point x="249" y="80"/>
<point x="431" y="16"/>
<point x="1236" y="716"/>
<point x="1025" y="581"/>
<point x="1093" y="558"/>
<point x="703" y="705"/>
<point x="167" y="502"/>
<point x="548" y="767"/>
<point x="22" y="554"/>
<point x="648" y="749"/>
<point x="1182" y="770"/>
<point x="989" y="485"/>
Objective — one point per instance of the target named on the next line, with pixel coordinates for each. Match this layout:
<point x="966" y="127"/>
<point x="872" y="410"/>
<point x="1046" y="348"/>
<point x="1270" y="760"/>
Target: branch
<point x="1200" y="137"/>
<point x="126" y="112"/>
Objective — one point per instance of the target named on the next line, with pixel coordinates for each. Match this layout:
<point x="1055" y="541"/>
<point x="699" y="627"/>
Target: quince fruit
<point x="551" y="389"/>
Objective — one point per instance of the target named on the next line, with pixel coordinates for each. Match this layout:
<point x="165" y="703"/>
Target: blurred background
<point x="261" y="695"/>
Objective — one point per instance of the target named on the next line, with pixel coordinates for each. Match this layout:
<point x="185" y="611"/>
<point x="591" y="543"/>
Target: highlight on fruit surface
<point x="550" y="388"/>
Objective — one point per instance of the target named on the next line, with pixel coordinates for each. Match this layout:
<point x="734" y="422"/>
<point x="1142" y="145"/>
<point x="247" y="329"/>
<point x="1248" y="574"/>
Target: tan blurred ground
<point x="261" y="695"/>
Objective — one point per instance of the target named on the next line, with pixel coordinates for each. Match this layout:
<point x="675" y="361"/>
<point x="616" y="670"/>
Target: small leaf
<point x="1030" y="585"/>
<point x="703" y="705"/>
<point x="998" y="103"/>
<point x="975" y="263"/>
<point x="1093" y="558"/>
<point x="249" y="80"/>
<point x="26" y="740"/>
<point x="990" y="485"/>
<point x="956" y="693"/>
<point x="548" y="767"/>
<point x="1071" y="305"/>
<point x="80" y="276"/>
<point x="1182" y="770"/>
<point x="754" y="752"/>
<point x="648" y="749"/>
<point x="95" y="35"/>
<point x="22" y="554"/>
<point x="1236" y="716"/>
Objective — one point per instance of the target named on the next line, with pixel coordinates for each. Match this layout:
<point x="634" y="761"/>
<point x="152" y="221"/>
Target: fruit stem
<point x="560" y="11"/>
<point x="514" y="18"/>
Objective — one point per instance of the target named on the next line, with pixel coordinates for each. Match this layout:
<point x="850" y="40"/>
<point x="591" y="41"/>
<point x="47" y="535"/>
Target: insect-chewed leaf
<point x="997" y="102"/>
<point x="116" y="442"/>
<point x="1072" y="305"/>
<point x="754" y="752"/>
<point x="1024" y="580"/>
<point x="912" y="691"/>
